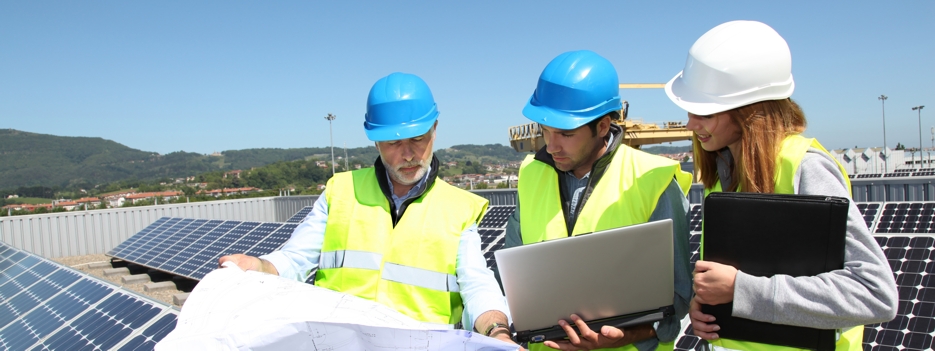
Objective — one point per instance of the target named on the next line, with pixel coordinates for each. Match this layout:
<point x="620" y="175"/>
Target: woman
<point x="747" y="137"/>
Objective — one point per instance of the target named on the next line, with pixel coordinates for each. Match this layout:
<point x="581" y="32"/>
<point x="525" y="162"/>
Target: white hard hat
<point x="732" y="65"/>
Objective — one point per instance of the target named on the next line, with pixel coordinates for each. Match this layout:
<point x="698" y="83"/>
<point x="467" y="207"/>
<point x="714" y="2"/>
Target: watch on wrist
<point x="495" y="326"/>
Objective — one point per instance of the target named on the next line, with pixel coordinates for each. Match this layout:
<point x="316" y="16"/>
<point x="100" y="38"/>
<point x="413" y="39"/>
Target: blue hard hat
<point x="400" y="106"/>
<point x="574" y="88"/>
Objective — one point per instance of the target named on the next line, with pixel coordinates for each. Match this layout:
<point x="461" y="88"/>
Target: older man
<point x="395" y="233"/>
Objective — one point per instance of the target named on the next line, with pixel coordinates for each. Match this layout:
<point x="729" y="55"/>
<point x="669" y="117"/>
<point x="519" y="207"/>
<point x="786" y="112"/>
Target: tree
<point x="900" y="146"/>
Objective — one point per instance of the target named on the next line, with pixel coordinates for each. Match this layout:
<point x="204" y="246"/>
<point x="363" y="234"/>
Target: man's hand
<point x="702" y="323"/>
<point x="507" y="338"/>
<point x="714" y="282"/>
<point x="488" y="318"/>
<point x="249" y="263"/>
<point x="589" y="340"/>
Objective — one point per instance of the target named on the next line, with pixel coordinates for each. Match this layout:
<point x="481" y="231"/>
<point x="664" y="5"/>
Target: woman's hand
<point x="702" y="324"/>
<point x="714" y="283"/>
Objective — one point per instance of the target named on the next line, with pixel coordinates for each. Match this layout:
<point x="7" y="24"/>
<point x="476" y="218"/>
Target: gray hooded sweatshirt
<point x="864" y="292"/>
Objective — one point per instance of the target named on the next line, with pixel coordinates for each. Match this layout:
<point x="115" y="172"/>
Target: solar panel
<point x="491" y="241"/>
<point x="496" y="216"/>
<point x="907" y="217"/>
<point x="170" y="258"/>
<point x="694" y="219"/>
<point x="206" y="260"/>
<point x="170" y="239"/>
<point x="48" y="306"/>
<point x="184" y="247"/>
<point x="155" y="237"/>
<point x="274" y="241"/>
<point x="914" y="326"/>
<point x="869" y="211"/>
<point x="299" y="217"/>
<point x="896" y="174"/>
<point x="191" y="247"/>
<point x="181" y="265"/>
<point x="130" y="243"/>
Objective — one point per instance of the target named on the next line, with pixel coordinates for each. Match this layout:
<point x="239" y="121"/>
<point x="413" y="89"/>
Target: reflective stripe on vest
<point x="629" y="189"/>
<point x="791" y="153"/>
<point x="626" y="194"/>
<point x="392" y="272"/>
<point x="420" y="277"/>
<point x="350" y="259"/>
<point x="409" y="267"/>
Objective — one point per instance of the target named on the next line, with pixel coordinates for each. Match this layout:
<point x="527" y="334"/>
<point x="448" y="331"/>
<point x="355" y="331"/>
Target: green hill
<point x="31" y="159"/>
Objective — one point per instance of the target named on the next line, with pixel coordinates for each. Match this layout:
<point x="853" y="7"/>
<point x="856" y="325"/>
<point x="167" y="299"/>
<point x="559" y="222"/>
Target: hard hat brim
<point x="568" y="120"/>
<point x="702" y="104"/>
<point x="376" y="132"/>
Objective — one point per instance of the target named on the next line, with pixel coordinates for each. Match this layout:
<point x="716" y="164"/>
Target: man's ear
<point x="603" y="127"/>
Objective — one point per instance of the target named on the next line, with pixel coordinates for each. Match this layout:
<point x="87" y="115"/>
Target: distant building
<point x="229" y="191"/>
<point x="27" y="207"/>
<point x="164" y="196"/>
<point x="870" y="160"/>
<point x="233" y="174"/>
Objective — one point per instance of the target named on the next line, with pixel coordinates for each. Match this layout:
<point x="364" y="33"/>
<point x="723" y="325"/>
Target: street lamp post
<point x="330" y="118"/>
<point x="919" y="108"/>
<point x="882" y="99"/>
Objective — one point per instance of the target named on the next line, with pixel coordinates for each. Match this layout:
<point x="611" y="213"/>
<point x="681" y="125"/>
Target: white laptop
<point x="620" y="277"/>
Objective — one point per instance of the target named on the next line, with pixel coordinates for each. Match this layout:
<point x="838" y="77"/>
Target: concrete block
<point x="160" y="286"/>
<point x="179" y="299"/>
<point x="97" y="265"/>
<point x="109" y="272"/>
<point x="135" y="279"/>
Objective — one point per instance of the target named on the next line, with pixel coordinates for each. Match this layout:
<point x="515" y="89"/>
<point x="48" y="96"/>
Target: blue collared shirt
<point x="479" y="289"/>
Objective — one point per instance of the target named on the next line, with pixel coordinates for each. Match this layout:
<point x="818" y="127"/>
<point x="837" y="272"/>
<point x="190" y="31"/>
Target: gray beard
<point x="396" y="176"/>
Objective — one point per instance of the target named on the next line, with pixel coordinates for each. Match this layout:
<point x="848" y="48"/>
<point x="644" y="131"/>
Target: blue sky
<point x="220" y="75"/>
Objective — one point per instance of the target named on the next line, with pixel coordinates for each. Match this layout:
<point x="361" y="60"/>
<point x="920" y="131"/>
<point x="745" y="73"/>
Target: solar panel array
<point x="907" y="217"/>
<point x="46" y="306"/>
<point x="925" y="172"/>
<point x="914" y="326"/>
<point x="898" y="174"/>
<point x="492" y="231"/>
<point x="694" y="218"/>
<point x="191" y="247"/>
<point x="298" y="217"/>
<point x="869" y="211"/>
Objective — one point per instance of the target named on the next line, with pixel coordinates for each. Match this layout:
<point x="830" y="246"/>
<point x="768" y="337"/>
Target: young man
<point x="395" y="233"/>
<point x="585" y="180"/>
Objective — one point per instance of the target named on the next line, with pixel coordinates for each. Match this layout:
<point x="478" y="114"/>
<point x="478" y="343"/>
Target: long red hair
<point x="763" y="126"/>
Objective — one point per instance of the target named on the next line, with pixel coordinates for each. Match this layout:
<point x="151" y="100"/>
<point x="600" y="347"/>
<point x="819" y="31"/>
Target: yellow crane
<point x="528" y="137"/>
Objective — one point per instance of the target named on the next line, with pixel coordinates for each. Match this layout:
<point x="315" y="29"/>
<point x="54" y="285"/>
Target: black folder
<point x="769" y="234"/>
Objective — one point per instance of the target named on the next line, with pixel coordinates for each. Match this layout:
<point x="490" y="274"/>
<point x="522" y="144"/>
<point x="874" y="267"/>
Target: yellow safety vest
<point x="409" y="267"/>
<point x="626" y="194"/>
<point x="791" y="153"/>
